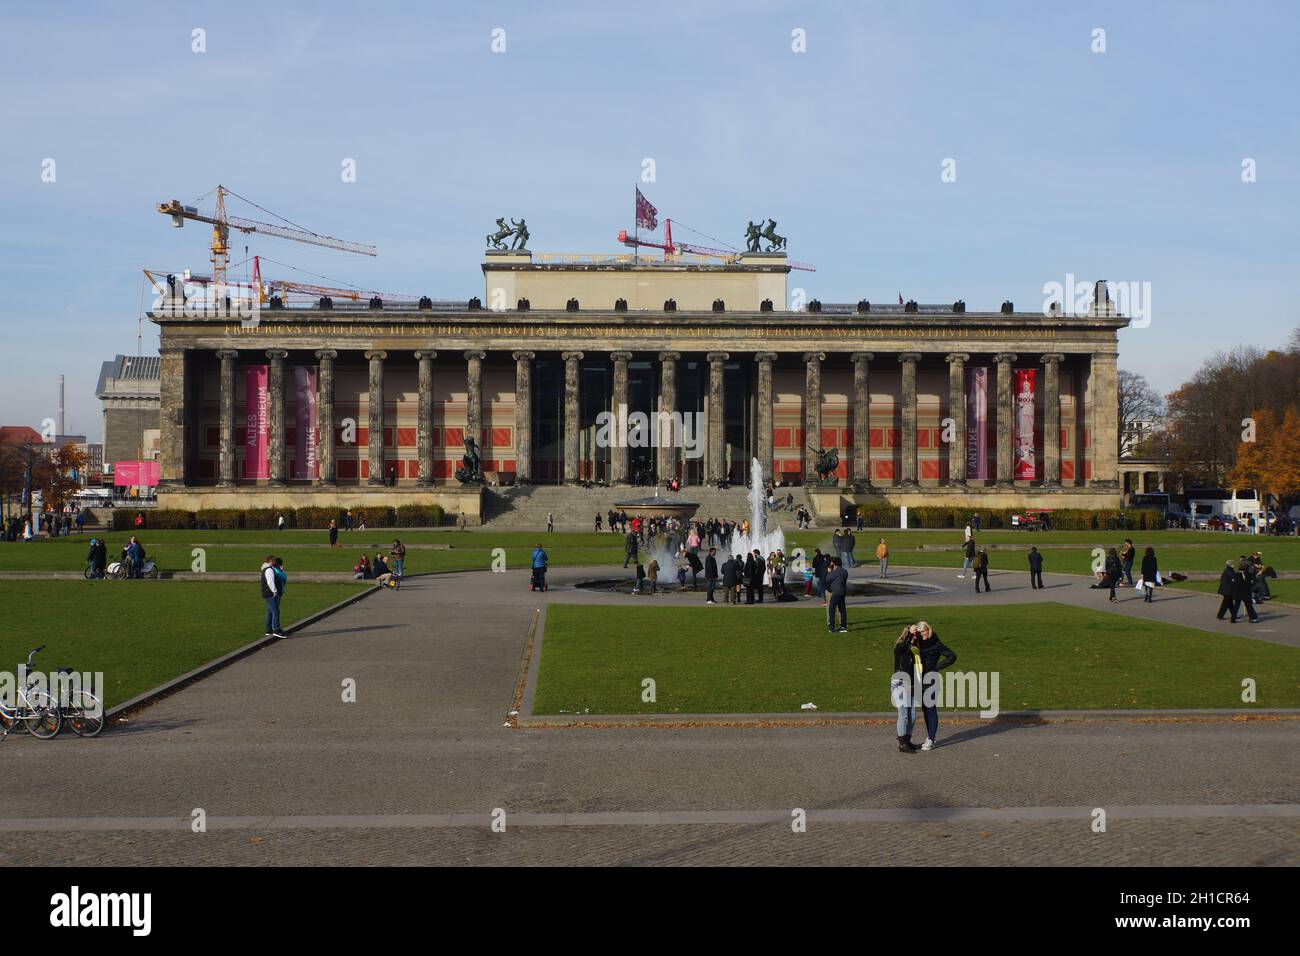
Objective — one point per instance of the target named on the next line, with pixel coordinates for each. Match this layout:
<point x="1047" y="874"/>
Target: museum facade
<point x="921" y="404"/>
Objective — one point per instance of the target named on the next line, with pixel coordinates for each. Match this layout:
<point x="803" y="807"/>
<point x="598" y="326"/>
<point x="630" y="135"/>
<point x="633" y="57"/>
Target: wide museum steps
<point x="575" y="508"/>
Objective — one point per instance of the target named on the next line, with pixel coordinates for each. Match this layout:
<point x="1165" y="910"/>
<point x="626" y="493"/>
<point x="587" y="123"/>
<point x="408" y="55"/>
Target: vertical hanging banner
<point x="977" y="421"/>
<point x="257" y="407"/>
<point x="1026" y="460"/>
<point x="305" y="452"/>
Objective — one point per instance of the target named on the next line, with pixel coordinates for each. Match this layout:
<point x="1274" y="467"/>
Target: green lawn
<point x="430" y="550"/>
<point x="1049" y="656"/>
<point x="1286" y="591"/>
<point x="141" y="634"/>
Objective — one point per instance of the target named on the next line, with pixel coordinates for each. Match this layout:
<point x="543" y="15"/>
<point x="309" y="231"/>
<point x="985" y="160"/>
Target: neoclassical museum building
<point x="347" y="404"/>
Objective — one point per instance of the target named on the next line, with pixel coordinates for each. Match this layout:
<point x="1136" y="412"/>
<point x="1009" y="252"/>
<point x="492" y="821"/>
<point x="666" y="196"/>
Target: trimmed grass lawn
<point x="1049" y="657"/>
<point x="1285" y="591"/>
<point x="1064" y="551"/>
<point x="141" y="634"/>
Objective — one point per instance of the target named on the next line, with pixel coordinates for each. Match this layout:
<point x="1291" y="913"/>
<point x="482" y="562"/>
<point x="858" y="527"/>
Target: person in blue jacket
<point x="539" y="569"/>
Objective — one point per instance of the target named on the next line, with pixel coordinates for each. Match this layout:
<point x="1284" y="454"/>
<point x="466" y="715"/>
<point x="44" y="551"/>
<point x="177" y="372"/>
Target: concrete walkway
<point x="285" y="771"/>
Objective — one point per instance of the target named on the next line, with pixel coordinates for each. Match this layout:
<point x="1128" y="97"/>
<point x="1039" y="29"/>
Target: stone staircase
<point x="575" y="508"/>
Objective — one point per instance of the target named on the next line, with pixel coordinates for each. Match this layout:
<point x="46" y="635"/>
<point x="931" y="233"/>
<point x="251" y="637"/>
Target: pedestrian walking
<point x="630" y="548"/>
<point x="935" y="656"/>
<point x="334" y="533"/>
<point x="968" y="550"/>
<point x="272" y="592"/>
<point x="882" y="555"/>
<point x="550" y="521"/>
<point x="347" y="520"/>
<point x="1150" y="574"/>
<point x="597" y="520"/>
<point x="1114" y="571"/>
<point x="1126" y="555"/>
<point x="1242" y="585"/>
<point x="540" y="562"/>
<point x="279" y="523"/>
<point x="1227" y="605"/>
<point x="982" y="570"/>
<point x="399" y="558"/>
<point x="837" y="589"/>
<point x="1035" y="569"/>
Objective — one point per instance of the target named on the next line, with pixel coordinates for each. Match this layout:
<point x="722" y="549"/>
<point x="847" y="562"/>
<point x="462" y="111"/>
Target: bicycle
<point x="34" y="711"/>
<point x="82" y="711"/>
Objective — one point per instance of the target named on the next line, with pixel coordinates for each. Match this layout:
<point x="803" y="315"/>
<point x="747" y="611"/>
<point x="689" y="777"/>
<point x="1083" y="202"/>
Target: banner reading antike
<point x="305" y="452"/>
<point x="977" y="420"/>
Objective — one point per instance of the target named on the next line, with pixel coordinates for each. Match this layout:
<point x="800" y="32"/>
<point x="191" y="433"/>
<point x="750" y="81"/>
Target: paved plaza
<point x="287" y="773"/>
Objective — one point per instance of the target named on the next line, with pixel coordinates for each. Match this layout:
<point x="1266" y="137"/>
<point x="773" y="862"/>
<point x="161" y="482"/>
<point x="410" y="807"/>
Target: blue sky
<point x="1124" y="164"/>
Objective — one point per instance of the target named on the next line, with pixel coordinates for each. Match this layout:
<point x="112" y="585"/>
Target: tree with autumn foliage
<point x="1268" y="457"/>
<point x="59" y="475"/>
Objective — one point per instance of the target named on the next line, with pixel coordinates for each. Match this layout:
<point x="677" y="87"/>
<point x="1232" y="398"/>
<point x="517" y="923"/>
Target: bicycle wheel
<point x="45" y="719"/>
<point x="90" y="573"/>
<point x="86" y="715"/>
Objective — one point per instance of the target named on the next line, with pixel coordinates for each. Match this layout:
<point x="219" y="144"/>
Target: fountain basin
<point x="874" y="588"/>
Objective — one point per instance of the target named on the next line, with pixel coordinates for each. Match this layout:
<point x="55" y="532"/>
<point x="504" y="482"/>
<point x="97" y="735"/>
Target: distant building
<point x="19" y="435"/>
<point x="129" y="389"/>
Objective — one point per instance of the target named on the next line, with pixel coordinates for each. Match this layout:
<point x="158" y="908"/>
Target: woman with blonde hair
<point x="932" y="656"/>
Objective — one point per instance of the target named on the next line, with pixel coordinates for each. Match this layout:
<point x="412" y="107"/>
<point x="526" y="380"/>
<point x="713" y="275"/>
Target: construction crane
<point x="671" y="249"/>
<point x="222" y="223"/>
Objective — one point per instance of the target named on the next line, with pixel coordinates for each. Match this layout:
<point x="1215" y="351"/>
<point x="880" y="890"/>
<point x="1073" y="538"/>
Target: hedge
<point x="265" y="519"/>
<point x="879" y="515"/>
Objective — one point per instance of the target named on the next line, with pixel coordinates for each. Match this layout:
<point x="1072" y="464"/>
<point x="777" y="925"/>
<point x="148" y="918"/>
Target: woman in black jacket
<point x="905" y="684"/>
<point x="1149" y="573"/>
<point x="935" y="656"/>
<point x="1227" y="605"/>
<point x="1241" y="587"/>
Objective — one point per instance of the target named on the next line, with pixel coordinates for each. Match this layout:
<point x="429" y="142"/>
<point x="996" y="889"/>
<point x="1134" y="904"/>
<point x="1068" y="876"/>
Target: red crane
<point x="671" y="249"/>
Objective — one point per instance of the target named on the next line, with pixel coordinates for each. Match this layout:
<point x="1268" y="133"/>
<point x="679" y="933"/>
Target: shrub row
<point x="261" y="519"/>
<point x="880" y="515"/>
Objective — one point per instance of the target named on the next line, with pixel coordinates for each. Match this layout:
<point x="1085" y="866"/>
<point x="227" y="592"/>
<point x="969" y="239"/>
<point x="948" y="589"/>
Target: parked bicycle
<point x="81" y="709"/>
<point x="34" y="710"/>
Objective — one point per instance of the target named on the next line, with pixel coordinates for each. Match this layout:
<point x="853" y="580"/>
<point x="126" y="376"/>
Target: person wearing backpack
<point x="982" y="570"/>
<point x="272" y="592"/>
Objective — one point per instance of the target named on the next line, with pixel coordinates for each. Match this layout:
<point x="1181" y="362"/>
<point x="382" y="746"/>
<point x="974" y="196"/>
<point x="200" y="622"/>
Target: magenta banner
<point x="304" y="381"/>
<point x="977" y="421"/>
<point x="1026" y="459"/>
<point x="142" y="474"/>
<point x="257" y="406"/>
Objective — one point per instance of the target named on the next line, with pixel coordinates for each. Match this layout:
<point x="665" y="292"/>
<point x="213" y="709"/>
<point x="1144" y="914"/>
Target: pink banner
<point x="977" y="421"/>
<point x="1026" y="460"/>
<point x="304" y="462"/>
<point x="143" y="474"/>
<point x="257" y="406"/>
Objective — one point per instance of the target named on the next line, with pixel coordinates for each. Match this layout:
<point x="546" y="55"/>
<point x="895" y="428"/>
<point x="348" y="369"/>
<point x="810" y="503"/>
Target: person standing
<point x="729" y="581"/>
<point x="1150" y="574"/>
<point x="850" y="542"/>
<point x="279" y="522"/>
<point x="630" y="548"/>
<point x="711" y="575"/>
<point x="760" y="569"/>
<point x="904" y="685"/>
<point x="272" y="591"/>
<point x="968" y="534"/>
<point x="968" y="550"/>
<point x="652" y="575"/>
<point x="334" y="533"/>
<point x="81" y="521"/>
<point x="975" y="523"/>
<point x="1114" y="571"/>
<point x="597" y="520"/>
<point x="837" y="589"/>
<point x="748" y="576"/>
<point x="821" y="562"/>
<point x="1126" y="555"/>
<point x="982" y="570"/>
<point x="1242" y="585"/>
<point x="399" y="558"/>
<point x="1227" y="605"/>
<point x="97" y="558"/>
<point x="882" y="555"/>
<point x="540" y="562"/>
<point x="550" y="521"/>
<point x="837" y="542"/>
<point x="1035" y="569"/>
<point x="347" y="520"/>
<point x="935" y="656"/>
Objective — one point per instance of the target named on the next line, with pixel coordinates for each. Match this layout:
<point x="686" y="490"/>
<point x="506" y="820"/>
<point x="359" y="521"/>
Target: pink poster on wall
<point x="139" y="473"/>
<point x="304" y="462"/>
<point x="257" y="405"/>
<point x="977" y="421"/>
<point x="1026" y="460"/>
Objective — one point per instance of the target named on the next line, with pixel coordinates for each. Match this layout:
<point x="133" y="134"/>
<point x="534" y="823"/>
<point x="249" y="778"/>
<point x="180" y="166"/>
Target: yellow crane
<point x="222" y="223"/>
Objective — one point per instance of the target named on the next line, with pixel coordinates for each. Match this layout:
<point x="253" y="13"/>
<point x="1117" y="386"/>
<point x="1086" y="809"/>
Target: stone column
<point x="572" y="419"/>
<point x="474" y="398"/>
<point x="1105" y="421"/>
<point x="1006" y="418"/>
<point x="523" y="416"/>
<point x="909" y="360"/>
<point x="861" y="418"/>
<point x="325" y="416"/>
<point x="812" y="414"/>
<point x="763" y="420"/>
<point x="424" y="417"/>
<point x="618" y="447"/>
<point x="957" y="412"/>
<point x="717" y="461"/>
<point x="666" y="465"/>
<point x="375" y="418"/>
<point x="226" y="426"/>
<point x="275" y="418"/>
<point x="1052" y="419"/>
<point x="171" y="418"/>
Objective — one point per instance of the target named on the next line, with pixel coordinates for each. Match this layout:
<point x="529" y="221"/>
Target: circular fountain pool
<point x="871" y="588"/>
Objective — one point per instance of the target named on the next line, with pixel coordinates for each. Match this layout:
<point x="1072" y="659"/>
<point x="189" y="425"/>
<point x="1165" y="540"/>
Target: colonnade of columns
<point x="1102" y="382"/>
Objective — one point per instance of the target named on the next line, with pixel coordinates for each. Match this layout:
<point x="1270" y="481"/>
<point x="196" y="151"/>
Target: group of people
<point x="132" y="558"/>
<point x="1244" y="583"/>
<point x="1117" y="568"/>
<point x="918" y="652"/>
<point x="380" y="570"/>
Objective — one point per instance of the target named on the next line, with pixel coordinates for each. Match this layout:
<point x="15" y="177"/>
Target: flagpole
<point x="636" y="226"/>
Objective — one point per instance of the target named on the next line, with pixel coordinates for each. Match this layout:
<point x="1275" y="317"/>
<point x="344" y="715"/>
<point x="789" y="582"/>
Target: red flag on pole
<point x="647" y="216"/>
